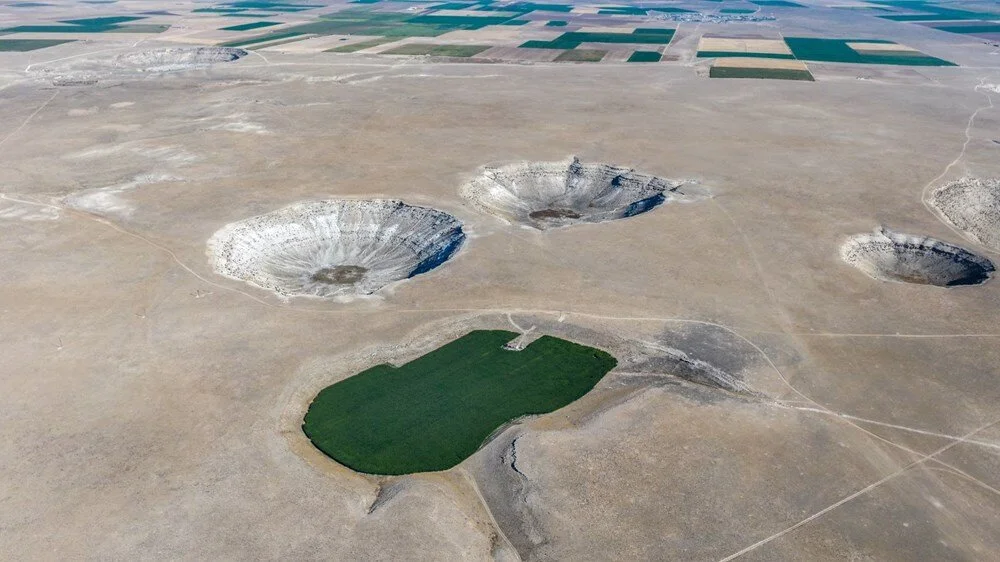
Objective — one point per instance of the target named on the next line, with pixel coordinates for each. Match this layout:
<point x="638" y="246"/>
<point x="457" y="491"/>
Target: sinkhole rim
<point x="886" y="255"/>
<point x="335" y="248"/>
<point x="132" y="60"/>
<point x="525" y="192"/>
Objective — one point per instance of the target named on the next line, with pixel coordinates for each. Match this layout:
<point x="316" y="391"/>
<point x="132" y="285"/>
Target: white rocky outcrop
<point x="971" y="205"/>
<point x="551" y="194"/>
<point x="90" y="70"/>
<point x="893" y="256"/>
<point x="335" y="248"/>
<point x="176" y="58"/>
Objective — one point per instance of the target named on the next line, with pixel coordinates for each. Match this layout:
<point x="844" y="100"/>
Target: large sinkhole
<point x="893" y="256"/>
<point x="176" y="58"/>
<point x="553" y="194"/>
<point x="335" y="248"/>
<point x="89" y="70"/>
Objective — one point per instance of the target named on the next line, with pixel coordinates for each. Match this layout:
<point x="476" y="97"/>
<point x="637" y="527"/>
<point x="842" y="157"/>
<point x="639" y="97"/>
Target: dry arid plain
<point x="805" y="321"/>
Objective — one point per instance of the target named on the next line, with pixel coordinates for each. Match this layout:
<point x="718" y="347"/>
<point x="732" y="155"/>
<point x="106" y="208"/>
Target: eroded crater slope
<point x="84" y="70"/>
<point x="553" y="194"/>
<point x="972" y="205"/>
<point x="893" y="256"/>
<point x="335" y="248"/>
<point x="176" y="58"/>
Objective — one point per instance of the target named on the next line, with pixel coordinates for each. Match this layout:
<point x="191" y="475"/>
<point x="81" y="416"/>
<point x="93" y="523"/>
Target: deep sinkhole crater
<point x="335" y="247"/>
<point x="552" y="194"/>
<point x="176" y="58"/>
<point x="893" y="256"/>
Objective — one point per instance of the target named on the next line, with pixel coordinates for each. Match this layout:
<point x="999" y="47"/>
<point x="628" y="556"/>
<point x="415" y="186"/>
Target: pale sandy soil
<point x="149" y="408"/>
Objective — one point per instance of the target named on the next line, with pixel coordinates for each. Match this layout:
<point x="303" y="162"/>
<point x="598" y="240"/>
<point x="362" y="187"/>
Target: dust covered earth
<point x="209" y="217"/>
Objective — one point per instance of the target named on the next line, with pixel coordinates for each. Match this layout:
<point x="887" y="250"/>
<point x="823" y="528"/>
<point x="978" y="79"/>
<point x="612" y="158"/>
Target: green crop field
<point x="573" y="39"/>
<point x="116" y="24"/>
<point x="7" y="45"/>
<point x="436" y="50"/>
<point x="645" y="56"/>
<point x="760" y="73"/>
<point x="622" y="11"/>
<point x="249" y="26"/>
<point x="433" y="412"/>
<point x="987" y="27"/>
<point x="527" y="7"/>
<point x="262" y="39"/>
<point x="837" y="50"/>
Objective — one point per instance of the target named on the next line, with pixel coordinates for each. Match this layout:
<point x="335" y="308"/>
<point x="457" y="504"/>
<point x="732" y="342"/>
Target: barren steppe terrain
<point x="771" y="402"/>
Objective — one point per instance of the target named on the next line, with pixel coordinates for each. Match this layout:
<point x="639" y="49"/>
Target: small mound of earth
<point x="177" y="58"/>
<point x="553" y="194"/>
<point x="340" y="274"/>
<point x="892" y="256"/>
<point x="335" y="248"/>
<point x="972" y="205"/>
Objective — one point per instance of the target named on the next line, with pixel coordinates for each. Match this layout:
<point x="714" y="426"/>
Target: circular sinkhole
<point x="335" y="248"/>
<point x="88" y="71"/>
<point x="904" y="258"/>
<point x="176" y="58"/>
<point x="552" y="194"/>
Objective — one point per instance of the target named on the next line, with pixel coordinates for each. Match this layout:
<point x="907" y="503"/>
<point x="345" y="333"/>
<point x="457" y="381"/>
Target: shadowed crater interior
<point x="86" y="70"/>
<point x="335" y="248"/>
<point x="552" y="194"/>
<point x="893" y="256"/>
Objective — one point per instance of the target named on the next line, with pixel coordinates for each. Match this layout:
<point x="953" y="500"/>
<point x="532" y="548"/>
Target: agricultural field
<point x="981" y="20"/>
<point x="713" y="47"/>
<point x="860" y="51"/>
<point x="433" y="412"/>
<point x="645" y="56"/>
<point x="856" y="51"/>
<point x="108" y="24"/>
<point x="437" y="50"/>
<point x="581" y="55"/>
<point x="249" y="26"/>
<point x="29" y="44"/>
<point x="760" y="68"/>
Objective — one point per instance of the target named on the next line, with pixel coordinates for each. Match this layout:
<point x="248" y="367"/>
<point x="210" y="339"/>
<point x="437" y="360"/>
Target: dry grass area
<point x="770" y="400"/>
<point x="880" y="47"/>
<point x="723" y="44"/>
